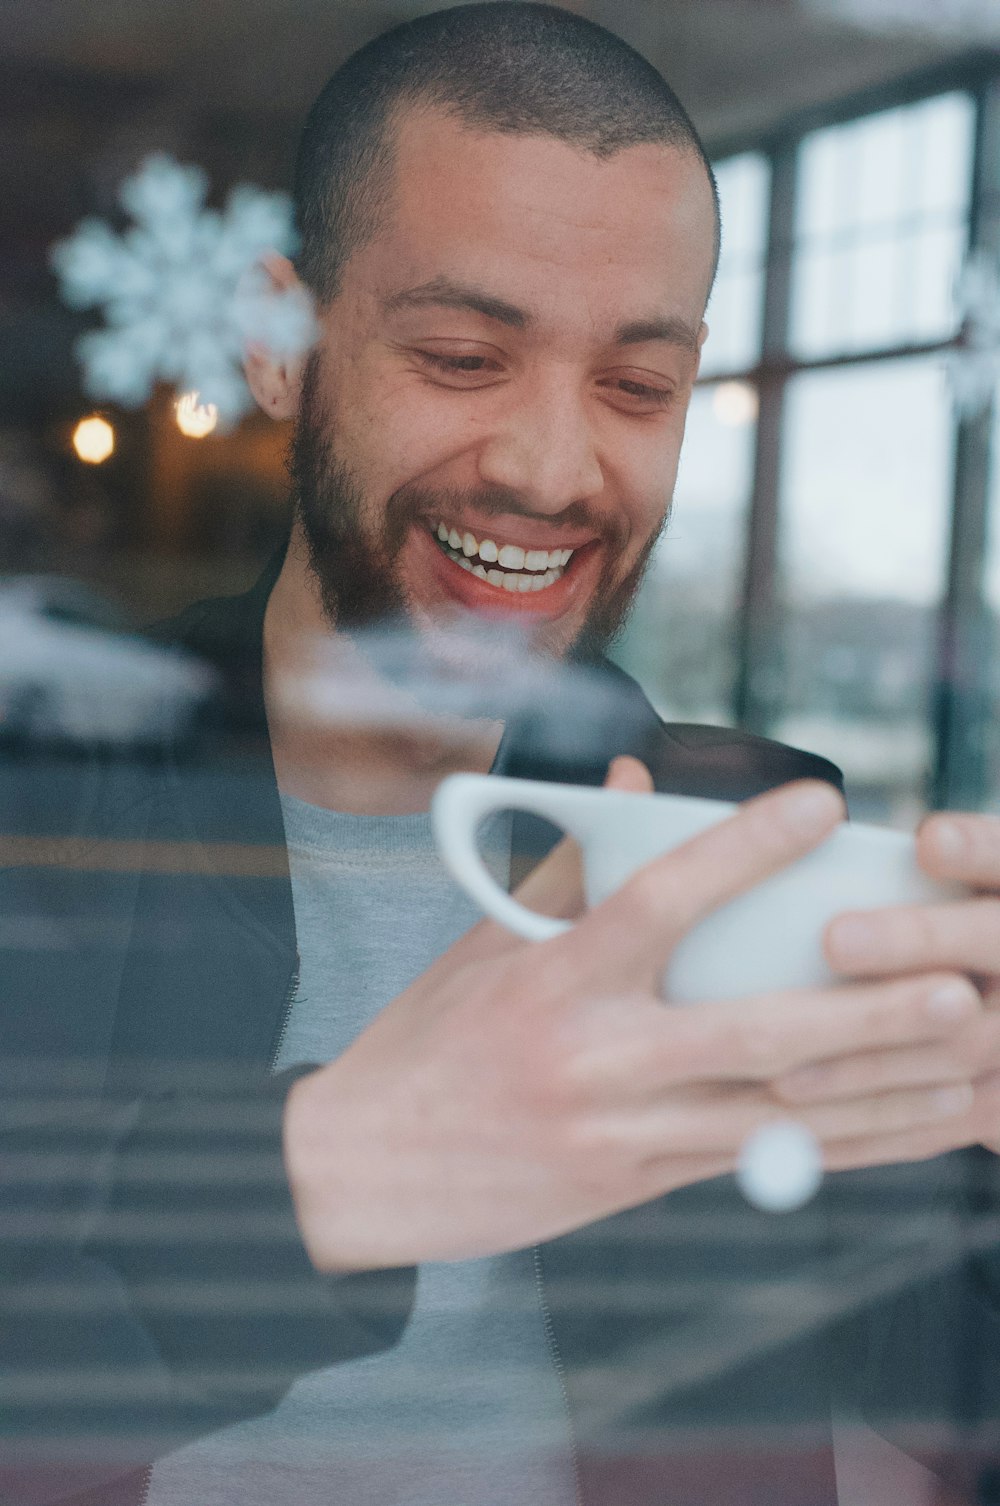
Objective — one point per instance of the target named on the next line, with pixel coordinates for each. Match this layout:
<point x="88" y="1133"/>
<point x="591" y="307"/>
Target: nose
<point x="544" y="447"/>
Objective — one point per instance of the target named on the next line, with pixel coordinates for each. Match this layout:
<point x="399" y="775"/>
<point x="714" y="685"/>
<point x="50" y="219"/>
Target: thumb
<point x="627" y="773"/>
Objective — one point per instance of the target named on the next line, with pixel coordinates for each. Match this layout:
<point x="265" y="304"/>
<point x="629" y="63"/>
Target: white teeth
<point x="546" y="565"/>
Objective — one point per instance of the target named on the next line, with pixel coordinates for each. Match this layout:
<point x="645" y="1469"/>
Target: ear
<point x="276" y="384"/>
<point x="702" y="337"/>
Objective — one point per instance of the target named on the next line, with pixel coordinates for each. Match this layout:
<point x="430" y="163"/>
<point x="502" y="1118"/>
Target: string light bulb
<point x="94" y="439"/>
<point x="195" y="419"/>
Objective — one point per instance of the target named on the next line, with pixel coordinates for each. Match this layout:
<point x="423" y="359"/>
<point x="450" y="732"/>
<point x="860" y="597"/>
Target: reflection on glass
<point x="865" y="491"/>
<point x="880" y="228"/>
<point x="679" y="643"/>
<point x="992" y="595"/>
<point x="734" y="311"/>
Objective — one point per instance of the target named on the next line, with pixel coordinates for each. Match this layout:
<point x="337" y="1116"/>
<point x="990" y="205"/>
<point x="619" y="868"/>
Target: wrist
<point x="311" y="1171"/>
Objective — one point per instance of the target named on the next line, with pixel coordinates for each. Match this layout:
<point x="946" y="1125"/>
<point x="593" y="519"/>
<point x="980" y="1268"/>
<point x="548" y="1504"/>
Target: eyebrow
<point x="672" y="330"/>
<point x="445" y="292"/>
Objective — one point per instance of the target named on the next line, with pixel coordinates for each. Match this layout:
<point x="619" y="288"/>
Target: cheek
<point x="646" y="491"/>
<point x="405" y="433"/>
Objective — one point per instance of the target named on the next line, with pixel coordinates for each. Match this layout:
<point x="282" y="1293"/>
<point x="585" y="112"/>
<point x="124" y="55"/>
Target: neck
<point x="388" y="765"/>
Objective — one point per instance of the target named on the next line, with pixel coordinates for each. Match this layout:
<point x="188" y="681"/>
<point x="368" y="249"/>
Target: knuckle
<point x="931" y="935"/>
<point x="644" y="896"/>
<point x="892" y="1010"/>
<point x="757" y="1046"/>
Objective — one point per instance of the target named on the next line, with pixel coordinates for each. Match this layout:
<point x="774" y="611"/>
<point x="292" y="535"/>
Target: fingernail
<point x="950" y="840"/>
<point x="951" y="1001"/>
<point x="809" y="809"/>
<point x="954" y="1100"/>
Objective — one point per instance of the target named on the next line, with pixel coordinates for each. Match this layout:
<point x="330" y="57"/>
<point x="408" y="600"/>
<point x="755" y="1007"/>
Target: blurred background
<point x="831" y="574"/>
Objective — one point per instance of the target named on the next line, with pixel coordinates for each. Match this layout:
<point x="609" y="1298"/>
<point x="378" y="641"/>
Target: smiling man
<point x="494" y="415"/>
<point x="353" y="1199"/>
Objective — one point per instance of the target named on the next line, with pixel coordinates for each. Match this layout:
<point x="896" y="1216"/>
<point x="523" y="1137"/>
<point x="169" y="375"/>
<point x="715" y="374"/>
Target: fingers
<point x="758" y="1040"/>
<point x="965" y="848"/>
<point x="965" y="1054"/>
<point x="902" y="1145"/>
<point x="964" y="934"/>
<point x="634" y="932"/>
<point x="722" y="1124"/>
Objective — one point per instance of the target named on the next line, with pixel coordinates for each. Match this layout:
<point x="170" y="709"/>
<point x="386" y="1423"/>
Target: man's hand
<point x="961" y="936"/>
<point x="518" y="1090"/>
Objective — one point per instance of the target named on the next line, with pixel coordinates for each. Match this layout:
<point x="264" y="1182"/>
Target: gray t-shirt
<point x="468" y="1409"/>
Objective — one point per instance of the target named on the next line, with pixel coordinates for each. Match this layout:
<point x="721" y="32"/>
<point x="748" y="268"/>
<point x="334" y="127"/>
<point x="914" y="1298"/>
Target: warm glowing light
<point x="193" y="418"/>
<point x="94" y="439"/>
<point x="735" y="404"/>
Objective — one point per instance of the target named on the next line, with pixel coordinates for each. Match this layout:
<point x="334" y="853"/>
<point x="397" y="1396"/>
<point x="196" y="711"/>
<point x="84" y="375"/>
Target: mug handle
<point x="462" y="801"/>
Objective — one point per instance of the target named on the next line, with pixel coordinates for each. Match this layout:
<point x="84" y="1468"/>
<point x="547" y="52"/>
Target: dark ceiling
<point x="88" y="87"/>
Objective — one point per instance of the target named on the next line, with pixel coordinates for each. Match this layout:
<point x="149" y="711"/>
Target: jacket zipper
<point x="560" y="1370"/>
<point x="286" y="1014"/>
<point x="147" y="1480"/>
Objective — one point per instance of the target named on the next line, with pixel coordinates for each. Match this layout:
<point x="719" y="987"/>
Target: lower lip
<point x="479" y="596"/>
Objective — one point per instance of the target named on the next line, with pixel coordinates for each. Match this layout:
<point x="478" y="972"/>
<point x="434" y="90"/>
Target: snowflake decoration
<point x="184" y="291"/>
<point x="974" y="366"/>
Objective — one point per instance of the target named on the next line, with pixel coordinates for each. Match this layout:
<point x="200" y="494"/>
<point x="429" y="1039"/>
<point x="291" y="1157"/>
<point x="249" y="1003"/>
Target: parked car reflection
<point x="73" y="671"/>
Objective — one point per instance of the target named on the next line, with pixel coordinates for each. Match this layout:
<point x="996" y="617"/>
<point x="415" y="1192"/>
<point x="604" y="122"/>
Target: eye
<point x="459" y="369"/>
<point x="636" y="396"/>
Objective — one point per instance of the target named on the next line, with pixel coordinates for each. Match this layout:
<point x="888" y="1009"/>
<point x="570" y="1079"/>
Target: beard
<point x="357" y="567"/>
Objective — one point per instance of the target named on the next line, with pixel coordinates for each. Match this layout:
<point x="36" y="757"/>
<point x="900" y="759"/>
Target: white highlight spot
<point x="195" y="419"/>
<point x="735" y="404"/>
<point x="94" y="439"/>
<point x="780" y="1167"/>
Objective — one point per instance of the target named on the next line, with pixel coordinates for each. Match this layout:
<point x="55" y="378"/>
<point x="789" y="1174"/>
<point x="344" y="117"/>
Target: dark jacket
<point x="155" y="1286"/>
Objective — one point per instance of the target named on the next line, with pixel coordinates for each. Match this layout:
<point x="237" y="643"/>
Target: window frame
<point x="960" y="691"/>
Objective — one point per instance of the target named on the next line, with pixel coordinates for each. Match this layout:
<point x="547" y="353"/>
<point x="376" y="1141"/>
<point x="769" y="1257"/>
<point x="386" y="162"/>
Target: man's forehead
<point x="430" y="142"/>
<point x="473" y="206"/>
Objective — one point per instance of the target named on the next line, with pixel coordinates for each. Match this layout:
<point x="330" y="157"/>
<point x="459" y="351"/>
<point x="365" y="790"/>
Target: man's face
<point x="492" y="420"/>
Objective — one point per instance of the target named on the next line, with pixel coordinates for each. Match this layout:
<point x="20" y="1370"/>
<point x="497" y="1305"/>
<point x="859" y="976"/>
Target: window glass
<point x="864" y="504"/>
<point x="992" y="646"/>
<point x="880" y="228"/>
<point x="680" y="641"/>
<point x="734" y="310"/>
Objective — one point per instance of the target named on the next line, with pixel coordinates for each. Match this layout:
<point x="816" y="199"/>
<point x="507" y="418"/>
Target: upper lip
<point x="529" y="533"/>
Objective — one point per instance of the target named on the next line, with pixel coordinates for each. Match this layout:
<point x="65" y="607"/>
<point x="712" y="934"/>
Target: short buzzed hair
<point x="511" y="67"/>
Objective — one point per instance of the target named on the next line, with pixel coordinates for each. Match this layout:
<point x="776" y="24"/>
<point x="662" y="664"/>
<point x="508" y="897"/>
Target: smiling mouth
<point x="507" y="567"/>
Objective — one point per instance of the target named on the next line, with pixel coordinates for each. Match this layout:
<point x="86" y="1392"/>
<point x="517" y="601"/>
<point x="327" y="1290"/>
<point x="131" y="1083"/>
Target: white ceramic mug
<point x="768" y="938"/>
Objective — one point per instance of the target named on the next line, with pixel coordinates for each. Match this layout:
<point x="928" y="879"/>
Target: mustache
<point x="495" y="501"/>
